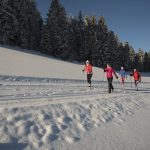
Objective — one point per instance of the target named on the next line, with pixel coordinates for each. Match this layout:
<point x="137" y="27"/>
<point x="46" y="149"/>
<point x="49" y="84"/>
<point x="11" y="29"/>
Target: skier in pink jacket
<point x="109" y="74"/>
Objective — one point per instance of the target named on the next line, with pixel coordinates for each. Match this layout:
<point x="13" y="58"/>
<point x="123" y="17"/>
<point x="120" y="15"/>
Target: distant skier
<point x="88" y="69"/>
<point x="137" y="78"/>
<point x="109" y="74"/>
<point x="123" y="75"/>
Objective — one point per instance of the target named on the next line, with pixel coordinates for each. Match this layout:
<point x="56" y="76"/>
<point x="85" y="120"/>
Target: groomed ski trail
<point x="28" y="91"/>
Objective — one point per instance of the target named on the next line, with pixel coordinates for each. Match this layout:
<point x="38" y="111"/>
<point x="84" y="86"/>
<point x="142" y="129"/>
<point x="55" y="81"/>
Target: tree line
<point x="67" y="37"/>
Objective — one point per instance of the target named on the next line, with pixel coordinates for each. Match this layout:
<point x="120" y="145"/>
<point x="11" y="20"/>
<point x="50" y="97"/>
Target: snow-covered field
<point x="45" y="104"/>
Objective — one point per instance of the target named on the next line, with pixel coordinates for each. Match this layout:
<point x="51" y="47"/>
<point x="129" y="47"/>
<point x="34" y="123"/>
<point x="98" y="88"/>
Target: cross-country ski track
<point x="34" y="93"/>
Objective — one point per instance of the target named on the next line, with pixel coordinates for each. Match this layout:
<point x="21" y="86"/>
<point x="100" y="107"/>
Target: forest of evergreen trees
<point x="71" y="38"/>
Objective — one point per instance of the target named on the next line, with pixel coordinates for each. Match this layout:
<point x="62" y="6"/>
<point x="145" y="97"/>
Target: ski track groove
<point x="58" y="99"/>
<point x="28" y="91"/>
<point x="55" y="100"/>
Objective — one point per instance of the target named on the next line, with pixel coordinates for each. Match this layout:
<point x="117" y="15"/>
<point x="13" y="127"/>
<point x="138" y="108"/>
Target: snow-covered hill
<point x="45" y="104"/>
<point x="34" y="64"/>
<point x="19" y="62"/>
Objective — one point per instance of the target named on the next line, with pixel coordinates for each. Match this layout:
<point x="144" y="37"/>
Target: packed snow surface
<point x="45" y="104"/>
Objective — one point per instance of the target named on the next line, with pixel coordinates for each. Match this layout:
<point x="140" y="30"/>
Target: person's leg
<point x="136" y="85"/>
<point x="90" y="76"/>
<point x="89" y="79"/>
<point x="122" y="79"/>
<point x="109" y="85"/>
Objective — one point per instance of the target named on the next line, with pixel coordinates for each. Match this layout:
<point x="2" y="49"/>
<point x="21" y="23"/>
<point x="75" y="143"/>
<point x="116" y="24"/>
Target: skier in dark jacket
<point x="137" y="77"/>
<point x="109" y="74"/>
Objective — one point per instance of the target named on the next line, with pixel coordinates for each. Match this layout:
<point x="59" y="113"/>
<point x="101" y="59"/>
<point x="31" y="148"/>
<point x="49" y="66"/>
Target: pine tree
<point x="30" y="24"/>
<point x="56" y="28"/>
<point x="8" y="23"/>
<point x="20" y="23"/>
<point x="126" y="55"/>
<point x="35" y="23"/>
<point x="121" y="53"/>
<point x="45" y="45"/>
<point x="146" y="62"/>
<point x="136" y="61"/>
<point x="131" y="58"/>
<point x="72" y="40"/>
<point x="80" y="36"/>
<point x="113" y="51"/>
<point x="101" y="44"/>
<point x="140" y="56"/>
<point x="75" y="40"/>
<point x="90" y="38"/>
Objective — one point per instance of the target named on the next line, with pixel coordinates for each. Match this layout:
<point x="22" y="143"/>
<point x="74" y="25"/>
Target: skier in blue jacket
<point x="123" y="75"/>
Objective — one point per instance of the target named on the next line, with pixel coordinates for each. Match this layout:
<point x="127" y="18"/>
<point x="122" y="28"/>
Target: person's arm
<point x="105" y="69"/>
<point x="83" y="69"/>
<point x="115" y="75"/>
<point x="131" y="74"/>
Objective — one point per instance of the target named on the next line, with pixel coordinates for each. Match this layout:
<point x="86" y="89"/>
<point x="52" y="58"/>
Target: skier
<point x="109" y="74"/>
<point x="88" y="69"/>
<point x="123" y="75"/>
<point x="137" y="78"/>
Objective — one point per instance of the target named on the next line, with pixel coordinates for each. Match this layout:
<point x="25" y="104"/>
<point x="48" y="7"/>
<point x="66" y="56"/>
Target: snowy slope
<point x="45" y="104"/>
<point x="34" y="64"/>
<point x="20" y="62"/>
